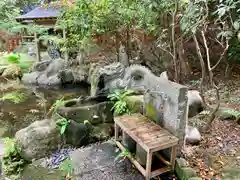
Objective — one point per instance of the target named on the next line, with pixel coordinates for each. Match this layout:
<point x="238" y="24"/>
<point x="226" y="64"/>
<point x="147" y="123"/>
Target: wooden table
<point x="151" y="137"/>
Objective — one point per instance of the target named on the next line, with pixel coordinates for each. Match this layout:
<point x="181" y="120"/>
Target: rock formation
<point x="136" y="77"/>
<point x="55" y="72"/>
<point x="38" y="139"/>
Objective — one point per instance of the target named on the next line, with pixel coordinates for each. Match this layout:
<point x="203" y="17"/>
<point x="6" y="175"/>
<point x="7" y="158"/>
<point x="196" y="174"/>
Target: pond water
<point x="36" y="104"/>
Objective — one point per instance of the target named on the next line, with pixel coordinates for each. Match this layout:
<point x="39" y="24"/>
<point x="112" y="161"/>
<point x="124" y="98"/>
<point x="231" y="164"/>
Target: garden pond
<point x="21" y="105"/>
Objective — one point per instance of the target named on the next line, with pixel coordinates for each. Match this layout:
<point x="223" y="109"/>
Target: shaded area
<point x="97" y="163"/>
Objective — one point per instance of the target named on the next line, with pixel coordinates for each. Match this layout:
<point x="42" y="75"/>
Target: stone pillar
<point x="65" y="38"/>
<point x="37" y="47"/>
<point x="168" y="107"/>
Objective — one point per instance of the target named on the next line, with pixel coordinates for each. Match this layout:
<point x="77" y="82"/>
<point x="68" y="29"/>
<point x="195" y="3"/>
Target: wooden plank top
<point x="149" y="135"/>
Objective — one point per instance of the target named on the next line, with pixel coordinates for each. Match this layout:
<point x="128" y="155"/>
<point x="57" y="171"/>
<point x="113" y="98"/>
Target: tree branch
<point x="166" y="51"/>
<point x="221" y="57"/>
<point x="202" y="66"/>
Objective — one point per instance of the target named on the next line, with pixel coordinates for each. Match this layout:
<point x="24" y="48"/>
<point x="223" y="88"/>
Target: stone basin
<point x="93" y="109"/>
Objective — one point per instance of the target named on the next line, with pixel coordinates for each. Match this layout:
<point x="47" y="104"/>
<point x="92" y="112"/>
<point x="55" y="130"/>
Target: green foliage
<point x="10" y="147"/>
<point x="57" y="104"/>
<point x="62" y="123"/>
<point x="13" y="58"/>
<point x="235" y="100"/>
<point x="66" y="166"/>
<point x="233" y="113"/>
<point x="15" y="97"/>
<point x="88" y="18"/>
<point x="123" y="155"/>
<point x="23" y="61"/>
<point x="195" y="82"/>
<point x="194" y="16"/>
<point x="8" y="10"/>
<point x="13" y="163"/>
<point x="120" y="105"/>
<point x="221" y="16"/>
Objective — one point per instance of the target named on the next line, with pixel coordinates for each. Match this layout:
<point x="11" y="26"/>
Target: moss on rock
<point x="102" y="131"/>
<point x="183" y="171"/>
<point x="151" y="112"/>
<point x="134" y="103"/>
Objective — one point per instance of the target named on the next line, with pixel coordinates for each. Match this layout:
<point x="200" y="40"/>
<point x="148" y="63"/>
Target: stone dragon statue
<point x="140" y="78"/>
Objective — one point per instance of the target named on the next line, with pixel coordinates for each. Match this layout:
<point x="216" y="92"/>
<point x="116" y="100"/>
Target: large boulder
<point x="46" y="73"/>
<point x="106" y="78"/>
<point x="193" y="136"/>
<point x="38" y="139"/>
<point x="55" y="72"/>
<point x="41" y="66"/>
<point x="12" y="71"/>
<point x="195" y="103"/>
<point x="77" y="134"/>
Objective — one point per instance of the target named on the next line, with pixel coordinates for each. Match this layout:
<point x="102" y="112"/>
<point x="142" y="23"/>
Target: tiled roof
<point x="40" y="13"/>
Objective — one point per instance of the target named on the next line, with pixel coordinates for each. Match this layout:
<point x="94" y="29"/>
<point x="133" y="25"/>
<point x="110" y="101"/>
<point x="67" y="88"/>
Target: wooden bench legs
<point x="173" y="156"/>
<point x="148" y="173"/>
<point x="149" y="166"/>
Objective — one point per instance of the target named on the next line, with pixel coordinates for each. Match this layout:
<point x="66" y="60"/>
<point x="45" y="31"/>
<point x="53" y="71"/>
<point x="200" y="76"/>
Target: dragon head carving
<point x="139" y="78"/>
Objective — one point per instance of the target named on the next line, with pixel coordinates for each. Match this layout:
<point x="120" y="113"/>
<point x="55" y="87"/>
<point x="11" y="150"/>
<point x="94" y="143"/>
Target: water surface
<point x="38" y="101"/>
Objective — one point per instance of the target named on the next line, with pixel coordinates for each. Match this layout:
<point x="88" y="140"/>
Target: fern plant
<point x="55" y="105"/>
<point x="120" y="105"/>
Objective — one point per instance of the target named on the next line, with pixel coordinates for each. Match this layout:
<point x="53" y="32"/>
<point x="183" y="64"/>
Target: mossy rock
<point x="151" y="112"/>
<point x="102" y="132"/>
<point x="134" y="103"/>
<point x="187" y="173"/>
<point x="183" y="171"/>
<point x="12" y="71"/>
<point x="78" y="134"/>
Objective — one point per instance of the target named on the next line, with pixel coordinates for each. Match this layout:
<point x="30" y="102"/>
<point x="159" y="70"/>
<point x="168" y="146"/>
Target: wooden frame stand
<point x="151" y="137"/>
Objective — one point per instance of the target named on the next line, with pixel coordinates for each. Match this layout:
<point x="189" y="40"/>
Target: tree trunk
<point x="174" y="42"/>
<point x="202" y="66"/>
<point x="128" y="43"/>
<point x="117" y="36"/>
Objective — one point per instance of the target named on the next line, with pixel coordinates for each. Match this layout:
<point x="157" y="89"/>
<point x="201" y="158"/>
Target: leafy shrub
<point x="62" y="123"/>
<point x="13" y="163"/>
<point x="120" y="105"/>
